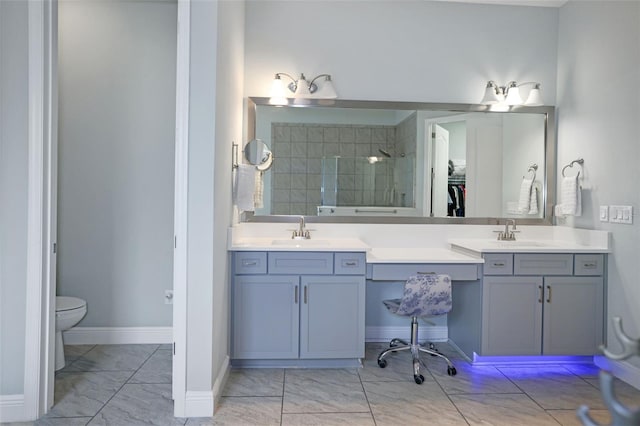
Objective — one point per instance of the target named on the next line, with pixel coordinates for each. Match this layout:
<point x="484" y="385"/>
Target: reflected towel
<point x="245" y="187"/>
<point x="258" y="195"/>
<point x="524" y="201"/>
<point x="570" y="192"/>
<point x="533" y="204"/>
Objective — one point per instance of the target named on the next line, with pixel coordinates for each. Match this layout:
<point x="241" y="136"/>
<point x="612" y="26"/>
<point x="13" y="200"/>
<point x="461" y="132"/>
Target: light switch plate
<point x="604" y="213"/>
<point x="621" y="214"/>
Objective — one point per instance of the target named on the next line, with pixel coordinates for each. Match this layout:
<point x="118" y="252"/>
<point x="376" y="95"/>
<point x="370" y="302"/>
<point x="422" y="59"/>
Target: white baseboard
<point x="198" y="404"/>
<point x="436" y="333"/>
<point x="220" y="381"/>
<point x="620" y="369"/>
<point x="12" y="408"/>
<point x="117" y="335"/>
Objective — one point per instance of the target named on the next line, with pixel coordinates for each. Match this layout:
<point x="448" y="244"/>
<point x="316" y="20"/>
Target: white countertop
<point x="288" y="244"/>
<point x="479" y="246"/>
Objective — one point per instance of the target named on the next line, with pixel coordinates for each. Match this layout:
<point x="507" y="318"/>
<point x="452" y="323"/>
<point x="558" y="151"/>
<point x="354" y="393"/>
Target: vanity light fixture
<point x="301" y="89"/>
<point x="510" y="94"/>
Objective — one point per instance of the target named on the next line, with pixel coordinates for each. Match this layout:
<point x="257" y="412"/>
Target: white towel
<point x="571" y="196"/>
<point x="524" y="201"/>
<point x="258" y="195"/>
<point x="533" y="204"/>
<point x="245" y="187"/>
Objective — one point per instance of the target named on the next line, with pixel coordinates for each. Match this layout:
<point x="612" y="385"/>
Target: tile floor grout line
<point x="119" y="389"/>
<point x="284" y="380"/>
<point x="366" y="397"/>
<point x="448" y="397"/>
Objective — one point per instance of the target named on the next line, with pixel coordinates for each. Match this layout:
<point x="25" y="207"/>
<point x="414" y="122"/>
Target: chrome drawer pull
<point x="540" y="298"/>
<point x="249" y="262"/>
<point x="590" y="265"/>
<point x="305" y="294"/>
<point x="350" y="263"/>
<point x="295" y="295"/>
<point x="548" y="294"/>
<point x="497" y="264"/>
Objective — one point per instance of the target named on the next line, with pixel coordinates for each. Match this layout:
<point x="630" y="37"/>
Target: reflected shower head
<point x="385" y="153"/>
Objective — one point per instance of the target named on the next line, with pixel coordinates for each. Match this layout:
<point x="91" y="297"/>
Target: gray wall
<point x="215" y="120"/>
<point x="425" y="51"/>
<point x="598" y="119"/>
<point x="117" y="65"/>
<point x="13" y="192"/>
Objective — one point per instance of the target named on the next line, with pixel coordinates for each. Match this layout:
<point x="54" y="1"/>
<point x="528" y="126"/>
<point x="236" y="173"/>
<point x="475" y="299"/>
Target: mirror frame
<point x="549" y="155"/>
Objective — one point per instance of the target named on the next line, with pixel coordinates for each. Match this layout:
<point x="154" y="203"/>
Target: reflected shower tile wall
<point x="299" y="150"/>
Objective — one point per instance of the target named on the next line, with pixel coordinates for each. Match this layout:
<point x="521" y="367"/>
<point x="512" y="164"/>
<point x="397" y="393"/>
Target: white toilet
<point x="69" y="312"/>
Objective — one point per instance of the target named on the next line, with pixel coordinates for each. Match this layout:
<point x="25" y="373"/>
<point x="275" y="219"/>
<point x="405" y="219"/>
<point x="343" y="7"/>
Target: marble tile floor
<point x="126" y="385"/>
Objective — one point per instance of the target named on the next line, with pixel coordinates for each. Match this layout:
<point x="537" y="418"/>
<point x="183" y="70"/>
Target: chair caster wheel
<point x="419" y="379"/>
<point x="451" y="371"/>
<point x="382" y="363"/>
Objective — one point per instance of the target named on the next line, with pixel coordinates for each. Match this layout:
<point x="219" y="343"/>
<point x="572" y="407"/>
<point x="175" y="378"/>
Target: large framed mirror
<point x="404" y="162"/>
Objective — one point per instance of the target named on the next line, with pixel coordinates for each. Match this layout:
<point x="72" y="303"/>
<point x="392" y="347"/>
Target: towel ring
<point x="578" y="161"/>
<point x="533" y="168"/>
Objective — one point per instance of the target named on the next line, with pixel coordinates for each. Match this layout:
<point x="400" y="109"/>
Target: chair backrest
<point x="426" y="295"/>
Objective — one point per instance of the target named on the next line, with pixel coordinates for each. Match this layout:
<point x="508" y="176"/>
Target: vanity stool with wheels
<point x="425" y="295"/>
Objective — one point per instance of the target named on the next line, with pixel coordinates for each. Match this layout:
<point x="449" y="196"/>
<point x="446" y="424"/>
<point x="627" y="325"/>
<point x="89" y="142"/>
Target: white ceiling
<point x="539" y="3"/>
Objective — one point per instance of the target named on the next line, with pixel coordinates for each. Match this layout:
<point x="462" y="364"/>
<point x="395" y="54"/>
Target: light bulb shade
<point x="490" y="95"/>
<point x="302" y="88"/>
<point x="326" y="90"/>
<point x="278" y="88"/>
<point x="534" y="98"/>
<point x="513" y="96"/>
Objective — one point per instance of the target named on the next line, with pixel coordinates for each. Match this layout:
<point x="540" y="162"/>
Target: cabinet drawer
<point x="300" y="263"/>
<point x="543" y="264"/>
<point x="498" y="264"/>
<point x="401" y="272"/>
<point x="350" y="263"/>
<point x="589" y="264"/>
<point x="250" y="262"/>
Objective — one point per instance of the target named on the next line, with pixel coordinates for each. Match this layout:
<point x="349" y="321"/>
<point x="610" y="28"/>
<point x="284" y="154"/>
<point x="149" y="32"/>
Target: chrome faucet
<point x="508" y="235"/>
<point x="301" y="233"/>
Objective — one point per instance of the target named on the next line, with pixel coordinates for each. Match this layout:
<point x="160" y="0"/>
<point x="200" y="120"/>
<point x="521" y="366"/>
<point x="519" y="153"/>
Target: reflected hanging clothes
<point x="456" y="199"/>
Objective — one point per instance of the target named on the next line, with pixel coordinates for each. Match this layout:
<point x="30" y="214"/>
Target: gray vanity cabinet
<point x="541" y="304"/>
<point x="265" y="316"/>
<point x="299" y="305"/>
<point x="332" y="317"/>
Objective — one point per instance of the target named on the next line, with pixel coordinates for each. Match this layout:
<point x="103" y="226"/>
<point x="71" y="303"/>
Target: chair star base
<point x="397" y="345"/>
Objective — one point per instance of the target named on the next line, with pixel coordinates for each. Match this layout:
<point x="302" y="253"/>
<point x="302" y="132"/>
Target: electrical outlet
<point x="168" y="297"/>
<point x="604" y="213"/>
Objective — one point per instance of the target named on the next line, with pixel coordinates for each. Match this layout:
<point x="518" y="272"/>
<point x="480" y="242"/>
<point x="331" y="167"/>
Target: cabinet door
<point x="265" y="317"/>
<point x="332" y="317"/>
<point x="511" y="316"/>
<point x="573" y="315"/>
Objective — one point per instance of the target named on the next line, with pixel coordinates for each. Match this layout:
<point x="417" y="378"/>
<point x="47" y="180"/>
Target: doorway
<point x="117" y="109"/>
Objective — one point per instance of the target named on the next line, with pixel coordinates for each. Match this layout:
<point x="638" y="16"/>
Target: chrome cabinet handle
<point x="589" y="265"/>
<point x="249" y="262"/>
<point x="497" y="264"/>
<point x="540" y="298"/>
<point x="305" y="294"/>
<point x="350" y="263"/>
<point x="548" y="294"/>
<point x="295" y="295"/>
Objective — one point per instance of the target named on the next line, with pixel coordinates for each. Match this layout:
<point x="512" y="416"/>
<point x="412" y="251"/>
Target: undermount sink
<point x="290" y="242"/>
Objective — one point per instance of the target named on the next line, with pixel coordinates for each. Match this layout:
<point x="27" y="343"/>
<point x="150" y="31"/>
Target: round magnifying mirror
<point x="259" y="154"/>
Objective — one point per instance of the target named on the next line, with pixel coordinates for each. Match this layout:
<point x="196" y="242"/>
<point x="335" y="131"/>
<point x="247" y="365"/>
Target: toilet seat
<point x="66" y="303"/>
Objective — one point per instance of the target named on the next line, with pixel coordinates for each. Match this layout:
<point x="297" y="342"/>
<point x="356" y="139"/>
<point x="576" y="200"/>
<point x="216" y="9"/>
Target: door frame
<point x="39" y="365"/>
<point x="41" y="208"/>
<point x="180" y="210"/>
